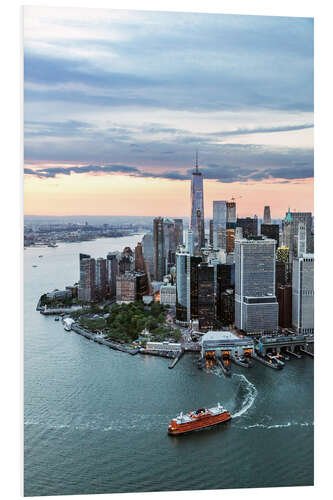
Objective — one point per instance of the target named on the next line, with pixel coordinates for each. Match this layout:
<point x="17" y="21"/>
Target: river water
<point x="95" y="420"/>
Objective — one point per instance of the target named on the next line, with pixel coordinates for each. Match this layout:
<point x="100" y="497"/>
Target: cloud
<point x="204" y="63"/>
<point x="47" y="173"/>
<point x="262" y="130"/>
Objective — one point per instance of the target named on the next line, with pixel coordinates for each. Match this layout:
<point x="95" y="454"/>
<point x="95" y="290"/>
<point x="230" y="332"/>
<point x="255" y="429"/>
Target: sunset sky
<point x="117" y="102"/>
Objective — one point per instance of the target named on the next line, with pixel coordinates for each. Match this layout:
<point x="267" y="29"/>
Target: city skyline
<point x="110" y="128"/>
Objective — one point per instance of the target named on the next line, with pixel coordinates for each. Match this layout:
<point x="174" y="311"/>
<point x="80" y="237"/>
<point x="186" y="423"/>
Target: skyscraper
<point x="111" y="272"/>
<point x="219" y="224"/>
<point x="301" y="240"/>
<point x="148" y="252"/>
<point x="189" y="242"/>
<point x="256" y="308"/>
<point x="225" y="293"/>
<point x="271" y="231"/>
<point x="249" y="226"/>
<point x="303" y="294"/>
<point x="197" y="223"/>
<point x="206" y="296"/>
<point x="182" y="283"/>
<point x="290" y="230"/>
<point x="169" y="243"/>
<point x="101" y="278"/>
<point x="139" y="264"/>
<point x="267" y="215"/>
<point x="159" y="251"/>
<point x="86" y="292"/>
<point x="179" y="232"/>
<point x="211" y="232"/>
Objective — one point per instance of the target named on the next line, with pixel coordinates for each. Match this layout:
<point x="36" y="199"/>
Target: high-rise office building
<point x="303" y="294"/>
<point x="249" y="226"/>
<point x="101" y="278"/>
<point x="169" y="244"/>
<point x="193" y="289"/>
<point x="271" y="231"/>
<point x="301" y="240"/>
<point x="139" y="263"/>
<point x="206" y="297"/>
<point x="131" y="286"/>
<point x="86" y="292"/>
<point x="267" y="215"/>
<point x="230" y="240"/>
<point x="231" y="215"/>
<point x="182" y="286"/>
<point x="159" y="251"/>
<point x="282" y="254"/>
<point x="189" y="242"/>
<point x="112" y="272"/>
<point x="197" y="222"/>
<point x="211" y="232"/>
<point x="225" y="293"/>
<point x="148" y="252"/>
<point x="126" y="261"/>
<point x="256" y="307"/>
<point x="290" y="230"/>
<point x="179" y="232"/>
<point x="284" y="298"/>
<point x="219" y="224"/>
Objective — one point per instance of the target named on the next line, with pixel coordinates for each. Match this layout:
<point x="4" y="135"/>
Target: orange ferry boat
<point x="198" y="419"/>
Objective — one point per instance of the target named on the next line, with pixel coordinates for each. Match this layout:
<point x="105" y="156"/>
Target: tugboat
<point x="198" y="419"/>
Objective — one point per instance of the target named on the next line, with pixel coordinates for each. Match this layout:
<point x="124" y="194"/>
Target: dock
<point x="307" y="353"/>
<point x="294" y="354"/>
<point x="177" y="358"/>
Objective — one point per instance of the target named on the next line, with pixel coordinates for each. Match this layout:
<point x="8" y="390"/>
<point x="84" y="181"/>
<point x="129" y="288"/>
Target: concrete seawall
<point x="100" y="340"/>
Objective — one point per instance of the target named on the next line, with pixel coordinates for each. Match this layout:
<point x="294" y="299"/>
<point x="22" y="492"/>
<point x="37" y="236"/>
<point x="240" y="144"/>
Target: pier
<point x="293" y="354"/>
<point x="177" y="358"/>
<point x="307" y="353"/>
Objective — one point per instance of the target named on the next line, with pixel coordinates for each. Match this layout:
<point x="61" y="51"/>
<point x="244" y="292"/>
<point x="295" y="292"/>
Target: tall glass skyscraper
<point x="197" y="208"/>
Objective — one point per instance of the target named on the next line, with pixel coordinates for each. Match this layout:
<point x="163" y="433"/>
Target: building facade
<point x="256" y="307"/>
<point x="179" y="232"/>
<point x="112" y="272"/>
<point x="303" y="294"/>
<point x="219" y="224"/>
<point x="101" y="278"/>
<point x="197" y="221"/>
<point x="87" y="291"/>
<point x="206" y="296"/>
<point x="168" y="294"/>
<point x="249" y="226"/>
<point x="271" y="231"/>
<point x="159" y="251"/>
<point x="267" y="215"/>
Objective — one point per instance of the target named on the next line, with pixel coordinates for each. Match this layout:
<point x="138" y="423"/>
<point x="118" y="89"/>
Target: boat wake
<point x="277" y="426"/>
<point x="250" y="395"/>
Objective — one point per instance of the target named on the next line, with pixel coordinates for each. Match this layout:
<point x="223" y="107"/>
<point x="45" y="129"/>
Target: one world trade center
<point x="197" y="225"/>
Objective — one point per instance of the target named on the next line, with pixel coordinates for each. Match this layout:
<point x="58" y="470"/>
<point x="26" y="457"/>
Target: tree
<point x="177" y="334"/>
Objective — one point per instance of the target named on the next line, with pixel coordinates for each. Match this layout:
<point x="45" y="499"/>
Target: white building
<point x="168" y="294"/>
<point x="163" y="346"/>
<point x="303" y="294"/>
